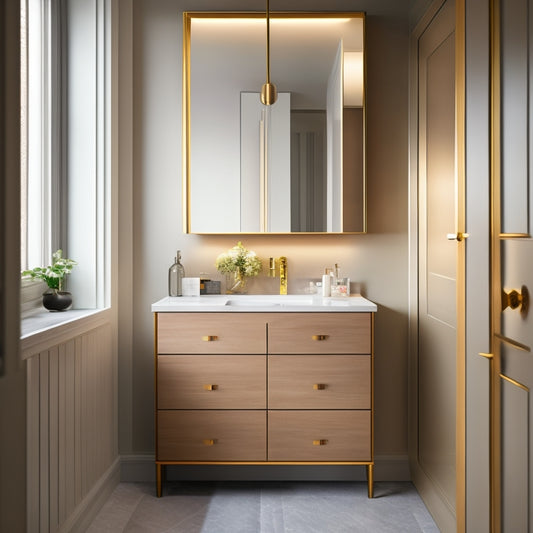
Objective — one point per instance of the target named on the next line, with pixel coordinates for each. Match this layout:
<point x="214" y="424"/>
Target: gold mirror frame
<point x="186" y="102"/>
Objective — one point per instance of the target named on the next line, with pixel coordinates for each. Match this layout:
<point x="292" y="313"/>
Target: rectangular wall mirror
<point x="297" y="166"/>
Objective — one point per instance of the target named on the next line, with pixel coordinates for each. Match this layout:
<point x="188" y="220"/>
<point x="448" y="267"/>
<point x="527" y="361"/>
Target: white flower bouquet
<point x="241" y="263"/>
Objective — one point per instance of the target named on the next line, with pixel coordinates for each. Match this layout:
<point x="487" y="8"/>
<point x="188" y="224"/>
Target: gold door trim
<point x="511" y="342"/>
<point x="514" y="382"/>
<point x="495" y="276"/>
<point x="515" y="236"/>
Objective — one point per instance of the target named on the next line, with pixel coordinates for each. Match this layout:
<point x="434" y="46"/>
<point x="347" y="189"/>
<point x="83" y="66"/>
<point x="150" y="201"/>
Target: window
<point x="65" y="93"/>
<point x="40" y="172"/>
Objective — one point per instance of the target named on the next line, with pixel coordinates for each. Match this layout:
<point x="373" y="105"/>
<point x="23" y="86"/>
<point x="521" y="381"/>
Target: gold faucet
<point x="283" y="272"/>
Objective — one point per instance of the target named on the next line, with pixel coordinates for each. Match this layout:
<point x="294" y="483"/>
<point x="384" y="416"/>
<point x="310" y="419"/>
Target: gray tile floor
<point x="264" y="507"/>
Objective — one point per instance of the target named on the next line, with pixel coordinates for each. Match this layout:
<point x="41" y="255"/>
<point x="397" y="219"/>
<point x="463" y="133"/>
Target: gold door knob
<point x="210" y="387"/>
<point x="209" y="338"/>
<point x="516" y="300"/>
<point x="319" y="337"/>
<point x="457" y="236"/>
<point x="320" y="442"/>
<point x="319" y="386"/>
<point x="487" y="355"/>
<point x="210" y="442"/>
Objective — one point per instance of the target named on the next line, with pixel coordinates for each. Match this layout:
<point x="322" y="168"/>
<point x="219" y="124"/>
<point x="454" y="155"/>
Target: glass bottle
<point x="175" y="274"/>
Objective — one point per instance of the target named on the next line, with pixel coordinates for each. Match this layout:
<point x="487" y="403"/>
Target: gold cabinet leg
<point x="370" y="480"/>
<point x="158" y="468"/>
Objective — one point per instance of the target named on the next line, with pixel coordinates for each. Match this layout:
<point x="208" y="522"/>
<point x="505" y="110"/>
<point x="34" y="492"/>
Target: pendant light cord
<point x="268" y="91"/>
<point x="268" y="41"/>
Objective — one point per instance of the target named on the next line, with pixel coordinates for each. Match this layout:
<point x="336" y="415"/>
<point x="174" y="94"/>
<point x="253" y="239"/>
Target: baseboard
<point x="392" y="468"/>
<point x="435" y="501"/>
<point x="137" y="468"/>
<point x="89" y="507"/>
<point x="141" y="468"/>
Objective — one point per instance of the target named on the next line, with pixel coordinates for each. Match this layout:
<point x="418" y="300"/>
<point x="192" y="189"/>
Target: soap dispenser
<point x="175" y="275"/>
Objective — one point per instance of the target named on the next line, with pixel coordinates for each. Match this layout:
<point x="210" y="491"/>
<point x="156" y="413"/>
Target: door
<point x="434" y="464"/>
<point x="511" y="359"/>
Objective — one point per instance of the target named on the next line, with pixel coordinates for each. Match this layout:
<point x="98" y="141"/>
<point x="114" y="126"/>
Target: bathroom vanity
<point x="264" y="380"/>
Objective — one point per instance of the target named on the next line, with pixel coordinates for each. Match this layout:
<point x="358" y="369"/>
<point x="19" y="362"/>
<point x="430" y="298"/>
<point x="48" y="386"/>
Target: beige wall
<point x="151" y="214"/>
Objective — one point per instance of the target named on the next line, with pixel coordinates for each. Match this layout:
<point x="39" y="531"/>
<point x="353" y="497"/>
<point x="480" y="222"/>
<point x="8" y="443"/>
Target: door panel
<point x="514" y="117"/>
<point x="512" y="260"/>
<point x="437" y="265"/>
<point x="515" y="483"/>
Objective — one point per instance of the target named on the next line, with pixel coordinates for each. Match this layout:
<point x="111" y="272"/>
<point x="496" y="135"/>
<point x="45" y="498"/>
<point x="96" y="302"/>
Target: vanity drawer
<point x="211" y="381"/>
<point x="211" y="435"/>
<point x="211" y="333"/>
<point x="319" y="436"/>
<point x="314" y="333"/>
<point x="319" y="382"/>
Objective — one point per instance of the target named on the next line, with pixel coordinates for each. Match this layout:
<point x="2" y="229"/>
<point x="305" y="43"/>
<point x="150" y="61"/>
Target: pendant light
<point x="269" y="93"/>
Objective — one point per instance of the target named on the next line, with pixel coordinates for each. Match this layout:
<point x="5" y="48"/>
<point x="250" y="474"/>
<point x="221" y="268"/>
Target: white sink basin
<point x="251" y="303"/>
<point x="268" y="300"/>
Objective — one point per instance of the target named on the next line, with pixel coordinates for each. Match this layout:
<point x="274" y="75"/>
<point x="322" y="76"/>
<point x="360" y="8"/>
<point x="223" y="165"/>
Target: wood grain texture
<point x="239" y="381"/>
<point x="291" y="435"/>
<point x="346" y="382"/>
<point x="343" y="332"/>
<point x="235" y="333"/>
<point x="237" y="435"/>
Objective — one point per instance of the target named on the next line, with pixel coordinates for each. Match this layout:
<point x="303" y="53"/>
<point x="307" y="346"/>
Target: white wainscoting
<point x="72" y="448"/>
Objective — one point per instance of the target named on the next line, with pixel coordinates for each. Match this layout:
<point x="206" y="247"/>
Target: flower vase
<point x="236" y="283"/>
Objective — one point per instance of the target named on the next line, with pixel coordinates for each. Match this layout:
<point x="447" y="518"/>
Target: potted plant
<point x="54" y="298"/>
<point x="238" y="263"/>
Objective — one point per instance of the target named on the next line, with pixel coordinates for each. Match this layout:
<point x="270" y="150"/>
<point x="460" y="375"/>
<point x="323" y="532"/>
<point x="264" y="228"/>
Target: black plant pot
<point x="55" y="300"/>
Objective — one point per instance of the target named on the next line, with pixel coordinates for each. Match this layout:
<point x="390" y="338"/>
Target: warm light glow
<point x="242" y="21"/>
<point x="353" y="79"/>
<point x="308" y="21"/>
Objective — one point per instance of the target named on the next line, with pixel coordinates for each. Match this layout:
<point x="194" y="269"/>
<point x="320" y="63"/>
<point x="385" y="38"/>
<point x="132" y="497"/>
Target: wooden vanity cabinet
<point x="264" y="388"/>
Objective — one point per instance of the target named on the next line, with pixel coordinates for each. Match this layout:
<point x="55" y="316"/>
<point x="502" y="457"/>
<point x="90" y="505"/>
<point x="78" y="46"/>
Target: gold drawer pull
<point x="319" y="337"/>
<point x="319" y="386"/>
<point x="211" y="387"/>
<point x="209" y="338"/>
<point x="210" y="442"/>
<point x="320" y="442"/>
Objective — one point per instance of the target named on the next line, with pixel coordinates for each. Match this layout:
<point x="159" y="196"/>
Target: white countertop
<point x="263" y="303"/>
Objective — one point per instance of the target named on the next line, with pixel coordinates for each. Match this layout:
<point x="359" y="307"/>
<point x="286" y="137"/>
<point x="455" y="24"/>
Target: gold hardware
<point x="321" y="442"/>
<point x="210" y="387"/>
<point x="457" y="236"/>
<point x="516" y="299"/>
<point x="210" y="442"/>
<point x="268" y="91"/>
<point x="319" y="337"/>
<point x="283" y="272"/>
<point x="283" y="275"/>
<point x="319" y="386"/>
<point x="209" y="338"/>
<point x="272" y="268"/>
<point x="486" y="355"/>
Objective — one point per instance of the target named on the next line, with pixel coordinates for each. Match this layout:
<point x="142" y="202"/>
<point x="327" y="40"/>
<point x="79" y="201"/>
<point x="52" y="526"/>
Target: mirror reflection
<point x="295" y="166"/>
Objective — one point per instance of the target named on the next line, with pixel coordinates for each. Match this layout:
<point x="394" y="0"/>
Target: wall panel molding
<point x="72" y="434"/>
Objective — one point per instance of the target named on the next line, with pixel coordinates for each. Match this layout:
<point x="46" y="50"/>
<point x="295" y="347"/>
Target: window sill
<point x="41" y="329"/>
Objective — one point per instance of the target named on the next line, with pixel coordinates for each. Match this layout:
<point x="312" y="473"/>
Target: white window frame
<point x="68" y="146"/>
<point x="41" y="115"/>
